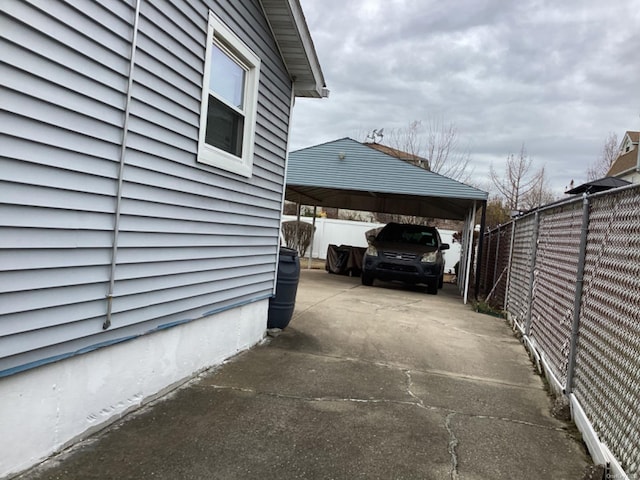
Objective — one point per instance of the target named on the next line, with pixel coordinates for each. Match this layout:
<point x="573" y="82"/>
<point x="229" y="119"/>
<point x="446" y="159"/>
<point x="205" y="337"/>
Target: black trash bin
<point x="282" y="304"/>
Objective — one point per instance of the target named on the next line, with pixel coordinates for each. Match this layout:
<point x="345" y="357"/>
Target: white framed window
<point x="229" y="101"/>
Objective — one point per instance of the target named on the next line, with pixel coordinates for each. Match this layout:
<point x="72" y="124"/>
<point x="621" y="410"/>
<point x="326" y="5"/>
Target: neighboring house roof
<point x="347" y="174"/>
<point x="394" y="152"/>
<point x="625" y="162"/>
<point x="600" y="185"/>
<point x="292" y="35"/>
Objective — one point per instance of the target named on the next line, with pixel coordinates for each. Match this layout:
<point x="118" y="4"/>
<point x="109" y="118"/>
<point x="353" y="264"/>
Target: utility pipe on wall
<point x="123" y="151"/>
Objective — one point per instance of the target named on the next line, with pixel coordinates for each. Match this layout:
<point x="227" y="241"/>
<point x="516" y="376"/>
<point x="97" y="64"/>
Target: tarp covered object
<point x="344" y="260"/>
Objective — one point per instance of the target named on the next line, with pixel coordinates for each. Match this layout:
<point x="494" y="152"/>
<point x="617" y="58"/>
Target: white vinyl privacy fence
<point x="568" y="277"/>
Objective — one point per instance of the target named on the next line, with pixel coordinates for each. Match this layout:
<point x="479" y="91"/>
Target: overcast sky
<point x="556" y="75"/>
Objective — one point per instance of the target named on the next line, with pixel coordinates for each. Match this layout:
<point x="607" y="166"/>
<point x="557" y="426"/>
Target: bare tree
<point x="434" y="146"/>
<point x="541" y="195"/>
<point x="608" y="155"/>
<point x="497" y="212"/>
<point x="519" y="182"/>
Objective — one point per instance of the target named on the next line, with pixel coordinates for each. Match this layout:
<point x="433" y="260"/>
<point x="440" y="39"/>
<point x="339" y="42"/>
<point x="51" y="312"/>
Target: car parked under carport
<point x="407" y="253"/>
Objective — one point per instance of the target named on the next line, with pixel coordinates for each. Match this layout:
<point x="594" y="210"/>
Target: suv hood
<point x="403" y="247"/>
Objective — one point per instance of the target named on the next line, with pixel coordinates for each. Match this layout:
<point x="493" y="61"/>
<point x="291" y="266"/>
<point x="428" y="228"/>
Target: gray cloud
<point x="558" y="76"/>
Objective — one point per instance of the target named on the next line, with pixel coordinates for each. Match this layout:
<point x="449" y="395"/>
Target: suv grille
<point x="396" y="267"/>
<point x="400" y="256"/>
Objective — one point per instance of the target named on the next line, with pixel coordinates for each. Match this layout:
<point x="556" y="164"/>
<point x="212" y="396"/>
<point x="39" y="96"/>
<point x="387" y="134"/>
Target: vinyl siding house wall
<point x="126" y="264"/>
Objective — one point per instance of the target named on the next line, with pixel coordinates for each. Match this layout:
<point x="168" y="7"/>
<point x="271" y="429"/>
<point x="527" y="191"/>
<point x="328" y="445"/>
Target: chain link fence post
<point x="578" y="297"/>
<point x="508" y="285"/>
<point x="534" y="251"/>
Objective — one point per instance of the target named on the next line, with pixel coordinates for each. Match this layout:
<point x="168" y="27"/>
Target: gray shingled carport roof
<point x="347" y="174"/>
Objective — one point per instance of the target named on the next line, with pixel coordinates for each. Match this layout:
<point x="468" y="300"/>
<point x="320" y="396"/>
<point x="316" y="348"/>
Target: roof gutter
<point x="298" y="25"/>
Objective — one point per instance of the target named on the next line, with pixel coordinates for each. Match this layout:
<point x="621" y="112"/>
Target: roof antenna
<point x="375" y="136"/>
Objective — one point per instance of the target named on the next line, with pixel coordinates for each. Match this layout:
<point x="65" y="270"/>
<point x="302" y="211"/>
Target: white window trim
<point x="207" y="153"/>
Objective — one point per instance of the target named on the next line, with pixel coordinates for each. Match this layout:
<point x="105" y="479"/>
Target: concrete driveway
<point x="366" y="382"/>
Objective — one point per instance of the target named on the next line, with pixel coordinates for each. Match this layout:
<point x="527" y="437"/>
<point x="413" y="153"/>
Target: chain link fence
<point x="571" y="284"/>
<point x="493" y="274"/>
<point x="554" y="287"/>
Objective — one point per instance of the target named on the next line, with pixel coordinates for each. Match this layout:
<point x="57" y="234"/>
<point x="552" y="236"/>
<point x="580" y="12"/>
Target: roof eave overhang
<point x="628" y="171"/>
<point x="419" y="205"/>
<point x="291" y="33"/>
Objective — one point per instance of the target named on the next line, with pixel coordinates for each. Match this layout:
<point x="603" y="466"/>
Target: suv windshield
<point x="412" y="234"/>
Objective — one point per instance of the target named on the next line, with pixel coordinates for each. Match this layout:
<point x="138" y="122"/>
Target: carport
<point x="347" y="174"/>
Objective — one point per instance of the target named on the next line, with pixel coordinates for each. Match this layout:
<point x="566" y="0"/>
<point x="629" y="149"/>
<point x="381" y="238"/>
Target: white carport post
<point x="313" y="234"/>
<point x="469" y="251"/>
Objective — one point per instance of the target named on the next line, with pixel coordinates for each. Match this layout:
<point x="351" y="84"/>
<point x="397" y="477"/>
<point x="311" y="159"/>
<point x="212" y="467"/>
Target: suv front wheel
<point x="367" y="279"/>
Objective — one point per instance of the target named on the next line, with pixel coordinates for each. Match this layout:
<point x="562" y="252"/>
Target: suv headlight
<point x="429" y="257"/>
<point x="372" y="251"/>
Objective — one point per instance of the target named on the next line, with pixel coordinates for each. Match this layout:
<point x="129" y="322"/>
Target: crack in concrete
<point x="440" y="373"/>
<point x="300" y="312"/>
<point x="416" y="402"/>
<point x="395" y="306"/>
<point x="313" y="399"/>
<point x="453" y="445"/>
<point x="513" y="420"/>
<point x="465" y="331"/>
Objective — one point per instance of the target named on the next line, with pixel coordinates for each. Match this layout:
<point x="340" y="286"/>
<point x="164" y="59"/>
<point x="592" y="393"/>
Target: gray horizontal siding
<point x="25" y="260"/>
<point x="193" y="239"/>
<point x="54" y="42"/>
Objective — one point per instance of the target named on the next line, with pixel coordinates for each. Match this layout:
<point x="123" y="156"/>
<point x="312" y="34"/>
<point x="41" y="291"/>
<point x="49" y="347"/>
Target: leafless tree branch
<point x="608" y="155"/>
<point x="435" y="146"/>
<point x="520" y="186"/>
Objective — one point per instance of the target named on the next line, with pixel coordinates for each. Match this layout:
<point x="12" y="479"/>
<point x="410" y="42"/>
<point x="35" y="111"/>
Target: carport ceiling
<point x="348" y="174"/>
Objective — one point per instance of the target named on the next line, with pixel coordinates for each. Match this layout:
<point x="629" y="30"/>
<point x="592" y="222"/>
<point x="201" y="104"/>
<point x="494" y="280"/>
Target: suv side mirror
<point x="371" y="238"/>
<point x="444" y="246"/>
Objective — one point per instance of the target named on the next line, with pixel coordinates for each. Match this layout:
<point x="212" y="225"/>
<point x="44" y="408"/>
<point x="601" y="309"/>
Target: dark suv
<point x="408" y="253"/>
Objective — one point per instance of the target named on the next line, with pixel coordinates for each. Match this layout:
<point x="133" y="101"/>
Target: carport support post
<point x="297" y="240"/>
<point x="313" y="234"/>
<point x="573" y="347"/>
<point x="483" y="220"/>
<point x="467" y="272"/>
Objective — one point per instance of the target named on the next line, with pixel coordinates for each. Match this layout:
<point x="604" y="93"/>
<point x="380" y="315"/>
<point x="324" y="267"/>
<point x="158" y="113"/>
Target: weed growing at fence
<point x="482" y="306"/>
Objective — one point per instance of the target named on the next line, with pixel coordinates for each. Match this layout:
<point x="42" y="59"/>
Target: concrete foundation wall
<point x="46" y="409"/>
